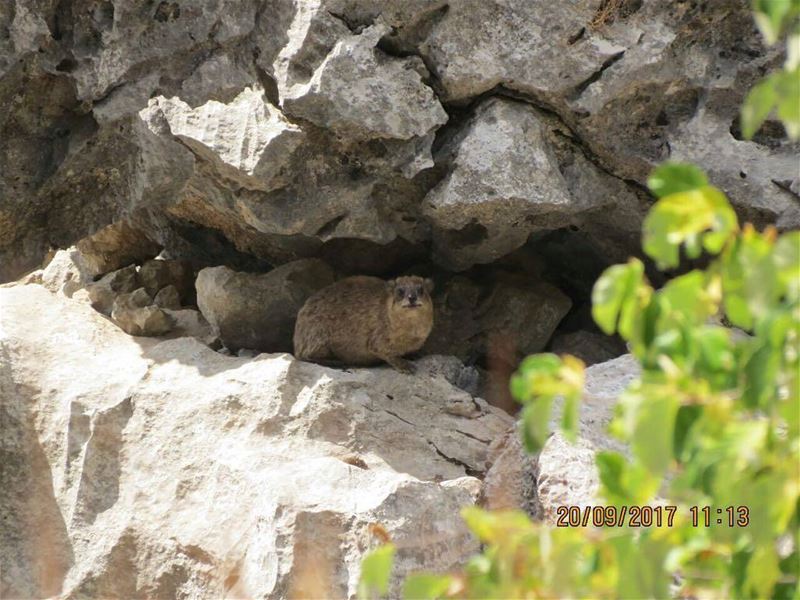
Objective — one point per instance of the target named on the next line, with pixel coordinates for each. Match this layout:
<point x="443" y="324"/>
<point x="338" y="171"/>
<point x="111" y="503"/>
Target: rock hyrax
<point x="365" y="320"/>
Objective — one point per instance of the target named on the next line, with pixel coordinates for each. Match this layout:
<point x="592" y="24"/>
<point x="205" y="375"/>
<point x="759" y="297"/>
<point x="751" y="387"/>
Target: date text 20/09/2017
<point x="649" y="516"/>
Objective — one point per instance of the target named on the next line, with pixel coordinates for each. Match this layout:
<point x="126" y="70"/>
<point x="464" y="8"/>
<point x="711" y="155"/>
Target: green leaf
<point x="688" y="296"/>
<point x="611" y="467"/>
<point x="673" y="178"/>
<point x="617" y="297"/>
<point x="684" y="420"/>
<point x="680" y="217"/>
<point x="756" y="108"/>
<point x="769" y="16"/>
<point x="762" y="571"/>
<point x="376" y="570"/>
<point x="535" y="419"/>
<point x="788" y="91"/>
<point x="749" y="279"/>
<point x="787" y="261"/>
<point x="654" y="429"/>
<point x="495" y="526"/>
<point x="425" y="586"/>
<point x="760" y="377"/>
<point x="569" y="417"/>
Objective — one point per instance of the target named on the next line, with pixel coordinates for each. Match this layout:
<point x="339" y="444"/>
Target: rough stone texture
<point x="360" y="91"/>
<point x="158" y="274"/>
<point x="103" y="292"/>
<point x="116" y="246"/>
<point x="168" y="297"/>
<point x="248" y="139"/>
<point x="590" y="347"/>
<point x="562" y="474"/>
<point x="227" y="131"/>
<point x="257" y="311"/>
<point x="189" y="473"/>
<point x="67" y="272"/>
<point x="512" y="172"/>
<point x="187" y="322"/>
<point x="468" y="315"/>
<point x="136" y="315"/>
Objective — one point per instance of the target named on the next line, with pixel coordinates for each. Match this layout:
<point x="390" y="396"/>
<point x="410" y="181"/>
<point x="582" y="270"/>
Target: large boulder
<point x="513" y="171"/>
<point x="189" y="473"/>
<point x="258" y="311"/>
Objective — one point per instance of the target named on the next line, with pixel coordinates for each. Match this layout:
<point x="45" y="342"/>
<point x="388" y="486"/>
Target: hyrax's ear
<point x="390" y="285"/>
<point x="428" y="283"/>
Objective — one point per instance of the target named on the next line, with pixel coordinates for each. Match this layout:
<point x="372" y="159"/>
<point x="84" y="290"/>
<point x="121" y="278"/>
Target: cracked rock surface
<point x="262" y="130"/>
<point x="155" y="468"/>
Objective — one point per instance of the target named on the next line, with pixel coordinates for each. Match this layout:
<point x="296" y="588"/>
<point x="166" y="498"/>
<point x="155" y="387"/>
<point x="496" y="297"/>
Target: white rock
<point x="360" y="91"/>
<point x="248" y="138"/>
<point x="164" y="469"/>
<point x="67" y="272"/>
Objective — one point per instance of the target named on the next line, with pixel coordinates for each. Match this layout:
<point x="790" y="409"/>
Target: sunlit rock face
<point x="145" y="467"/>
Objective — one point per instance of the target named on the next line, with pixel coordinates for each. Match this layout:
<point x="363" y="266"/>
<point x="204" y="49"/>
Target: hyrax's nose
<point x="412" y="297"/>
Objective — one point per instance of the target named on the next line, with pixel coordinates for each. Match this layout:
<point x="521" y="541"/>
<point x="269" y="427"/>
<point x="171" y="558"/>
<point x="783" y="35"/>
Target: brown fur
<point x="365" y="320"/>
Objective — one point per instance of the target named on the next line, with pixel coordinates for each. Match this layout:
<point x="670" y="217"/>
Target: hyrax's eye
<point x="400" y="292"/>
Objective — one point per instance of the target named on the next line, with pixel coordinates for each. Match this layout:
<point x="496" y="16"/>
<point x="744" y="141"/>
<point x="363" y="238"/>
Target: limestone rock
<point x="155" y="275"/>
<point x="590" y="347"/>
<point x="67" y="272"/>
<point x="187" y="322"/>
<point x="136" y="315"/>
<point x="191" y="473"/>
<point x="103" y="292"/>
<point x="116" y="246"/>
<point x="168" y="297"/>
<point x="257" y="311"/>
<point x="358" y="90"/>
<point x="511" y="174"/>
<point x="248" y="139"/>
<point x="515" y="43"/>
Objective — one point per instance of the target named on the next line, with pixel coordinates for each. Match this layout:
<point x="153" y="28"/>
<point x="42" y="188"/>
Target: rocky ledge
<point x="139" y="467"/>
<point x="152" y="467"/>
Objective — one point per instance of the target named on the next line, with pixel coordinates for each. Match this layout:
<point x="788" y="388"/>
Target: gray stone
<point x="188" y="322"/>
<point x="165" y="469"/>
<point x="258" y="311"/>
<point x="136" y="315"/>
<point x="359" y="91"/>
<point x="590" y="347"/>
<point x="248" y="139"/>
<point x="168" y="297"/>
<point x="103" y="292"/>
<point x="158" y="274"/>
<point x="516" y="44"/>
<point x="513" y="172"/>
<point x="67" y="272"/>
